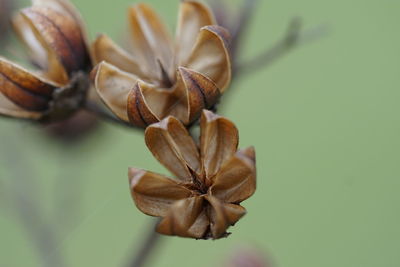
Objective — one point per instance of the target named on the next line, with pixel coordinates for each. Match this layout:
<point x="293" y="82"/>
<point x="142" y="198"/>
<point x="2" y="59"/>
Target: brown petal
<point x="171" y="144"/>
<point x="219" y="139"/>
<point x="139" y="112"/>
<point x="151" y="40"/>
<point x="104" y="49"/>
<point x="192" y="17"/>
<point x="8" y="108"/>
<point x="223" y="215"/>
<point x="153" y="193"/>
<point x="186" y="218"/>
<point x="57" y="36"/>
<point x="210" y="56"/>
<point x="114" y="86"/>
<point x="236" y="181"/>
<point x="202" y="93"/>
<point x="24" y="88"/>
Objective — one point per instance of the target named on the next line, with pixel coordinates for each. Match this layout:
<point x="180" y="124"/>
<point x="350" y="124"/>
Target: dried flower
<point x="53" y="32"/>
<point x="163" y="77"/>
<point x="212" y="179"/>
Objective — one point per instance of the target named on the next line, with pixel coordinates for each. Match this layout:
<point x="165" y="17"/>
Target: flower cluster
<point x="161" y="84"/>
<point x="211" y="179"/>
<point x="162" y="76"/>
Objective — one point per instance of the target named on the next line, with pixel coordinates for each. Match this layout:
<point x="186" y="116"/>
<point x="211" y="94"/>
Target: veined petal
<point x="138" y="110"/>
<point x="151" y="40"/>
<point x="236" y="181"/>
<point x="202" y="93"/>
<point x="223" y="215"/>
<point x="171" y="144"/>
<point x="58" y="39"/>
<point x="10" y="109"/>
<point x="154" y="193"/>
<point x="192" y="17"/>
<point x="186" y="218"/>
<point x="24" y="88"/>
<point x="210" y="56"/>
<point x="113" y="85"/>
<point x="104" y="49"/>
<point x="218" y="142"/>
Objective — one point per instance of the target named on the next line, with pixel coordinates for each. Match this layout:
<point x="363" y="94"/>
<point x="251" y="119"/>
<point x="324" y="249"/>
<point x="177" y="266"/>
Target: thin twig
<point x="292" y="39"/>
<point x="147" y="247"/>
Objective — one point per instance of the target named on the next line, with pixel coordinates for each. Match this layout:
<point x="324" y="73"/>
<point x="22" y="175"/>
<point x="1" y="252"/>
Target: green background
<point x="325" y="123"/>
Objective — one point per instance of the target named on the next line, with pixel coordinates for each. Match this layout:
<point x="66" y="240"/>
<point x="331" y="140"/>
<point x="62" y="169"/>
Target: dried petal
<point x="8" y="108"/>
<point x="153" y="193"/>
<point x="223" y="215"/>
<point x="114" y="86"/>
<point x="171" y="144"/>
<point x="218" y="142"/>
<point x="192" y="17"/>
<point x="104" y="49"/>
<point x="202" y="93"/>
<point x="139" y="112"/>
<point x="149" y="32"/>
<point x="211" y="57"/>
<point x="236" y="181"/>
<point x="59" y="35"/>
<point x="24" y="88"/>
<point x="186" y="218"/>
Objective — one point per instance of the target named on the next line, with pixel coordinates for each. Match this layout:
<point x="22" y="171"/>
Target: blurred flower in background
<point x="247" y="256"/>
<point x="54" y="34"/>
<point x="5" y="11"/>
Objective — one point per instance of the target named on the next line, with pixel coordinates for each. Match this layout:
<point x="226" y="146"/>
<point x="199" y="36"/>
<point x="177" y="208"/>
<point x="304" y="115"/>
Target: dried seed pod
<point x="54" y="35"/>
<point x="211" y="180"/>
<point x="164" y="77"/>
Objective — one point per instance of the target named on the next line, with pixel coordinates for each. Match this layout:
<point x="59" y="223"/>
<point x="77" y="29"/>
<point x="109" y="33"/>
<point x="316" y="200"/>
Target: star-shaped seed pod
<point x="212" y="179"/>
<point x="162" y="76"/>
<point x="54" y="34"/>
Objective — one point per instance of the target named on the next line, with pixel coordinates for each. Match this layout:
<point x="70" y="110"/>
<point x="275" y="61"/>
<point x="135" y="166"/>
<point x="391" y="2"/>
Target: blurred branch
<point x="293" y="38"/>
<point x="148" y="245"/>
<point x="24" y="195"/>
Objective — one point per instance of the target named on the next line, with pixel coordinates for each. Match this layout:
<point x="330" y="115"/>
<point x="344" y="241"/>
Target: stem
<point x="147" y="247"/>
<point x="106" y="116"/>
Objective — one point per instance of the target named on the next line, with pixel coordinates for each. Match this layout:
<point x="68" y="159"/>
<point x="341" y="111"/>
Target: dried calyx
<point x="211" y="180"/>
<point x="162" y="76"/>
<point x="54" y="35"/>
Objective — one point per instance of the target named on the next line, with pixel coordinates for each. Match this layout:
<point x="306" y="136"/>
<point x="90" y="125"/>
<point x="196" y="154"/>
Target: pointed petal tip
<point x="249" y="152"/>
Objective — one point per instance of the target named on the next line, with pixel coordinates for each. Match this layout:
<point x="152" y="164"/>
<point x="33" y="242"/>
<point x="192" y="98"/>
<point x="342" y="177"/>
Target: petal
<point x="223" y="215"/>
<point x="24" y="88"/>
<point x="171" y="144"/>
<point x="153" y="193"/>
<point x="104" y="49"/>
<point x="151" y="41"/>
<point x="139" y="112"/>
<point x="113" y="86"/>
<point x="58" y="39"/>
<point x="192" y="17"/>
<point x="236" y="181"/>
<point x="219" y="139"/>
<point x="210" y="56"/>
<point x="8" y="108"/>
<point x="202" y="93"/>
<point x="186" y="218"/>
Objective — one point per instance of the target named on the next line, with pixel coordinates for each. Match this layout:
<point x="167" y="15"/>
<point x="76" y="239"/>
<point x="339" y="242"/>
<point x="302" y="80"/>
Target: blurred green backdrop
<point x="324" y="121"/>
